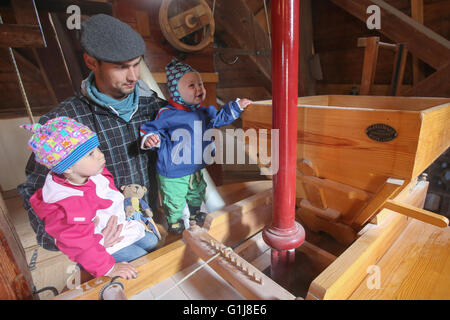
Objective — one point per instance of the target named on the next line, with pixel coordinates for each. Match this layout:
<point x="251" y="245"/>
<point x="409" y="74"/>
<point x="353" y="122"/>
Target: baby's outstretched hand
<point x="152" y="141"/>
<point x="243" y="103"/>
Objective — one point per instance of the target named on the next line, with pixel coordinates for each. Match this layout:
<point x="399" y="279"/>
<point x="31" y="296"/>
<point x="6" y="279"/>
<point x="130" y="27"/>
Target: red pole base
<point x="284" y="239"/>
<point x="283" y="243"/>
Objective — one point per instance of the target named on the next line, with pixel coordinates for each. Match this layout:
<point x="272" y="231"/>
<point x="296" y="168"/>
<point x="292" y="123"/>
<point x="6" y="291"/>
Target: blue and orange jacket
<point x="181" y="131"/>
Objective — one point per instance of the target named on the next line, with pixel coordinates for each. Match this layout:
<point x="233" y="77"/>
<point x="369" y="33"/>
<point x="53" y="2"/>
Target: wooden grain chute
<point x="355" y="154"/>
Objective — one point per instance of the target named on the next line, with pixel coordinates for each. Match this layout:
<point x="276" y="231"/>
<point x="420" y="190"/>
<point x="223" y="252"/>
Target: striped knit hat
<point x="174" y="71"/>
<point x="60" y="142"/>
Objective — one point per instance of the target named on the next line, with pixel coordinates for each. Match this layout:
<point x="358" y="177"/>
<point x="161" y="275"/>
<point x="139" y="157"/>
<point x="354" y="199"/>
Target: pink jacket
<point x="68" y="210"/>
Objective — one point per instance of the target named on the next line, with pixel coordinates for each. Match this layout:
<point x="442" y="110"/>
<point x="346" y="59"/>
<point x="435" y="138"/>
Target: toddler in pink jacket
<point x="78" y="189"/>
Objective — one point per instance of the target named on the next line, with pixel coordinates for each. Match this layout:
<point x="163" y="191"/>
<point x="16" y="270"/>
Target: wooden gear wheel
<point x="180" y="25"/>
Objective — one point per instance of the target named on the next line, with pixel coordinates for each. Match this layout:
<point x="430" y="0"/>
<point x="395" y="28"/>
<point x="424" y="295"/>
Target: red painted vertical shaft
<point x="284" y="233"/>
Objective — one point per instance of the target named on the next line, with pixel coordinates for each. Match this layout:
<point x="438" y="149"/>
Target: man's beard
<point x="126" y="91"/>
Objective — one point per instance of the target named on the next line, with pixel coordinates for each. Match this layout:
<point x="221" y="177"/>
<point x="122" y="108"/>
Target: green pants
<point x="176" y="192"/>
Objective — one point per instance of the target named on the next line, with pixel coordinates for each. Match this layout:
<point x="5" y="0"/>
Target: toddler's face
<point x="91" y="164"/>
<point x="191" y="88"/>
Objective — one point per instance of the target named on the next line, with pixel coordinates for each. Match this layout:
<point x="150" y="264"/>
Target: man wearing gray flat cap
<point x="113" y="103"/>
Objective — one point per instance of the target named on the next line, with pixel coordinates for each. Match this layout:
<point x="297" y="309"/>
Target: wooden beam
<point x="362" y="42"/>
<point x="238" y="21"/>
<point x="87" y="7"/>
<point x="417" y="213"/>
<point x="370" y="64"/>
<point x="351" y="192"/>
<point x="52" y="61"/>
<point x="207" y="77"/>
<point x="68" y="50"/>
<point x="436" y="85"/>
<point x="25" y="12"/>
<point x="20" y="35"/>
<point x="400" y="28"/>
<point x="389" y="189"/>
<point x="306" y="83"/>
<point x="417" y="14"/>
<point x="32" y="71"/>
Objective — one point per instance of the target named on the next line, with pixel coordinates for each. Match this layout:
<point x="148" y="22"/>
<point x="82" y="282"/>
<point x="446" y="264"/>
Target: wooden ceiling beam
<point x="422" y="42"/>
<point x="20" y="35"/>
<point x="87" y="7"/>
<point x="27" y="32"/>
<point x="436" y="85"/>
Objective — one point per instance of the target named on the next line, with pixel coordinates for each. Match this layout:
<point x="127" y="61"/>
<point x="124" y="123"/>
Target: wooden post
<point x="370" y="64"/>
<point x="417" y="14"/>
<point x="15" y="278"/>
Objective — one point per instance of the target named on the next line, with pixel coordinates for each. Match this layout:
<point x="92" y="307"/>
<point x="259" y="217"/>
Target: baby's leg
<point x="129" y="253"/>
<point x="173" y="193"/>
<point x="195" y="197"/>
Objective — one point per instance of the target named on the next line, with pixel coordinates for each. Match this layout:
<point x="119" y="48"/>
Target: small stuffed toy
<point x="137" y="209"/>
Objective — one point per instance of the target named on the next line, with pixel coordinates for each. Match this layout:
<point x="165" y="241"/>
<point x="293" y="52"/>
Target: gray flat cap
<point x="109" y="39"/>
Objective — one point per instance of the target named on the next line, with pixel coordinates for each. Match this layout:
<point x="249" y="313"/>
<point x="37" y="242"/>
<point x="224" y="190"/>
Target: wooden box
<point x="348" y="147"/>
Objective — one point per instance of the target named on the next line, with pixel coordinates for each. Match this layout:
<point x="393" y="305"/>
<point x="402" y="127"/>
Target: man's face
<point x="116" y="80"/>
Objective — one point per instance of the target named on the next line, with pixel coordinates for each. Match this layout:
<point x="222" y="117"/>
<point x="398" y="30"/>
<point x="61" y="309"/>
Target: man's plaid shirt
<point x="119" y="141"/>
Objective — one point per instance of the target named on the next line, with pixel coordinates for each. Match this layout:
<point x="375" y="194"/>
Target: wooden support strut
<point x="417" y="213"/>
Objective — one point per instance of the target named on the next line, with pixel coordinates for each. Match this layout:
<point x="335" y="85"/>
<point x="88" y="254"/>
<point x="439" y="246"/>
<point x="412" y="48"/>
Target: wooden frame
<point x="344" y="177"/>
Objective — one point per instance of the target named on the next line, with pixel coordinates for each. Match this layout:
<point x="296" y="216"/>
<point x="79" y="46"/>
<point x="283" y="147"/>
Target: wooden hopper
<point x="355" y="153"/>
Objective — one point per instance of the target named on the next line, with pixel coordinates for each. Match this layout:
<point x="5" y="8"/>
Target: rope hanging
<point x="268" y="25"/>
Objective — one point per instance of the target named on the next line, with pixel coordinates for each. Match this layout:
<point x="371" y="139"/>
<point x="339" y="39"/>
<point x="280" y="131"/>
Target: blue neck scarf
<point x="124" y="108"/>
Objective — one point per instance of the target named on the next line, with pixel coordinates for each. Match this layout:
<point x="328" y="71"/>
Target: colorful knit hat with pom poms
<point x="174" y="71"/>
<point x="60" y="142"/>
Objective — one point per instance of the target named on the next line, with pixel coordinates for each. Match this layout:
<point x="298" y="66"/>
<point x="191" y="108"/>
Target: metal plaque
<point x="381" y="132"/>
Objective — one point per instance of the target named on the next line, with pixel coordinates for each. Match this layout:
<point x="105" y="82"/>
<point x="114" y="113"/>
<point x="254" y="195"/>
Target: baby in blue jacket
<point x="177" y="135"/>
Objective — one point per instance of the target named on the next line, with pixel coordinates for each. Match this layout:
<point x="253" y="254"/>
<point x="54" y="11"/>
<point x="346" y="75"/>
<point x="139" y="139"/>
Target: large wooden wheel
<point x="178" y="26"/>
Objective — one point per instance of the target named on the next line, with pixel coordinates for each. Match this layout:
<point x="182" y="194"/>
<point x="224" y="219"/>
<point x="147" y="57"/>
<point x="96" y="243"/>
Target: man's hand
<point x="152" y="141"/>
<point x="243" y="103"/>
<point x="111" y="233"/>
